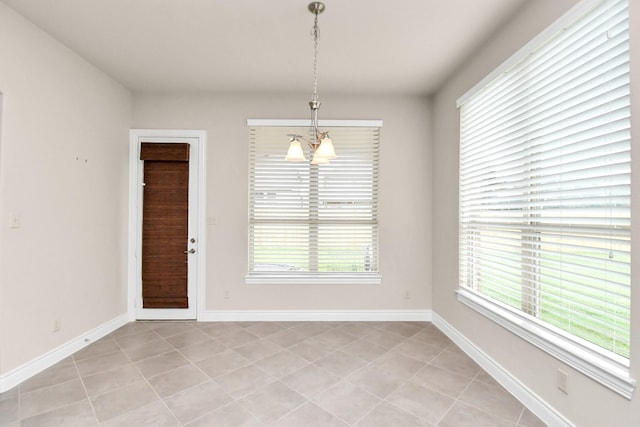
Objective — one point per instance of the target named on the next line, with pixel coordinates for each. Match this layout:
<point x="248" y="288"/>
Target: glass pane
<point x="346" y="248"/>
<point x="280" y="247"/>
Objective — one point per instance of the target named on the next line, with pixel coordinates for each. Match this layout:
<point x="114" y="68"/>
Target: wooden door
<point x="165" y="225"/>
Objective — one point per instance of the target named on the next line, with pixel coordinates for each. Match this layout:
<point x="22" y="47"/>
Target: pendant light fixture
<point x="321" y="146"/>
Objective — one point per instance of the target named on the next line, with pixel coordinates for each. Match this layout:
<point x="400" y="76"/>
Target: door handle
<point x="190" y="251"/>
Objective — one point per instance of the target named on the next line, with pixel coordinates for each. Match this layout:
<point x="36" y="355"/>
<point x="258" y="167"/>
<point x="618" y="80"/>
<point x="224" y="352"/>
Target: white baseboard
<point x="39" y="364"/>
<point x="527" y="397"/>
<point x="314" y="315"/>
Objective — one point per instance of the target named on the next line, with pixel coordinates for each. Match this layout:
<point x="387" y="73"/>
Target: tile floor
<point x="266" y="374"/>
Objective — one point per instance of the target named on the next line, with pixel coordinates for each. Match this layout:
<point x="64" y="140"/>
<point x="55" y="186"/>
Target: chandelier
<point x="321" y="145"/>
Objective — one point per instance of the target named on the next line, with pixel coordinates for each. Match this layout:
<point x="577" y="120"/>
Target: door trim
<point x="197" y="197"/>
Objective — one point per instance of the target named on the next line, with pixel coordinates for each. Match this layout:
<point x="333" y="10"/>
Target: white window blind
<point x="545" y="187"/>
<point x="313" y="220"/>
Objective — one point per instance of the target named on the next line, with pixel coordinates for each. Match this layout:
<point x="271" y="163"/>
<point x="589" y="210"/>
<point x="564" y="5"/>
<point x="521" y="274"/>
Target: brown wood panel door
<point x="165" y="225"/>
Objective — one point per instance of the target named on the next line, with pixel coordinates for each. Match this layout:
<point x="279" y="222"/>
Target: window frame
<point x="604" y="367"/>
<point x="313" y="278"/>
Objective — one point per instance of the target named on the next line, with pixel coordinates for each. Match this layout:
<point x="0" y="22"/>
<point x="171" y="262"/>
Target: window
<point x="313" y="223"/>
<point x="544" y="233"/>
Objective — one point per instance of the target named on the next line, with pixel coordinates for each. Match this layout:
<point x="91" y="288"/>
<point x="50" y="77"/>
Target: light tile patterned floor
<point x="277" y="374"/>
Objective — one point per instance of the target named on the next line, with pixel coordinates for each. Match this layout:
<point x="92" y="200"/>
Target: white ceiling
<point x="366" y="46"/>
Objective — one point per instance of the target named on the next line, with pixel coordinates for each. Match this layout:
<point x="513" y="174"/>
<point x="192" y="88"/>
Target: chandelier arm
<point x="312" y="144"/>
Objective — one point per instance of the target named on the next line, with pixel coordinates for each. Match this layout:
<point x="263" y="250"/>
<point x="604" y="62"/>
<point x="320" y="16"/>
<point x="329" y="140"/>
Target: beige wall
<point x="63" y="167"/>
<point x="588" y="403"/>
<point x="64" y="170"/>
<point x="405" y="195"/>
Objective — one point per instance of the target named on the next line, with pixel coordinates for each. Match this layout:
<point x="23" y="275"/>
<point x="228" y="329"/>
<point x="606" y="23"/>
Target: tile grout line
<point x="370" y="362"/>
<point x="446" y="413"/>
<point x="385" y="399"/>
<point x="153" y="388"/>
<point x="382" y="399"/>
<point x="390" y="350"/>
<point x="515" y="423"/>
<point x="305" y="401"/>
<point x="84" y="387"/>
<point x="212" y="379"/>
<point x="309" y="363"/>
<point x="412" y="376"/>
<point x="20" y="404"/>
<point x="309" y="400"/>
<point x="457" y="399"/>
<point x="364" y="391"/>
<point x="521" y="415"/>
<point x="20" y="415"/>
<point x="145" y="379"/>
<point x="475" y="378"/>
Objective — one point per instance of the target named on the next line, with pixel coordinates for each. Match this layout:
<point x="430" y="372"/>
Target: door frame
<point x="197" y="222"/>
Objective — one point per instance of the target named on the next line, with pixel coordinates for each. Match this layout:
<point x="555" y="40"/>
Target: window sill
<point x="312" y="279"/>
<point x="608" y="369"/>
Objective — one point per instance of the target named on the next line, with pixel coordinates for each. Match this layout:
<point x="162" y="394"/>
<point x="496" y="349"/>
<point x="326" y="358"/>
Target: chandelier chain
<point x="315" y="31"/>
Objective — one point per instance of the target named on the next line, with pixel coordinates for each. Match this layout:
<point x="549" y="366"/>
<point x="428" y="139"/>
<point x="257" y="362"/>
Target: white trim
<point x="199" y="225"/>
<point x="133" y="227"/>
<point x="166" y="313"/>
<point x="321" y="123"/>
<point x="40" y="363"/>
<point x="611" y="373"/>
<point x="316" y="315"/>
<point x="312" y="279"/>
<point x="569" y="17"/>
<point x="528" y="398"/>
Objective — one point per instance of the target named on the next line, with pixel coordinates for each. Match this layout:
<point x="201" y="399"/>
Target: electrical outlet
<point x="227" y="295"/>
<point x="563" y="380"/>
<point x="15" y="220"/>
<point x="56" y="325"/>
<point x="407" y="294"/>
